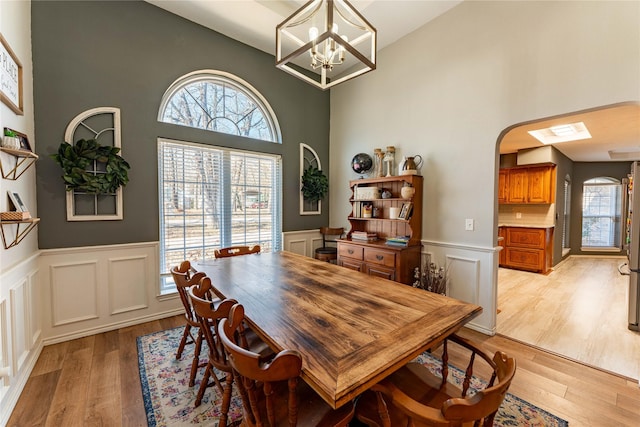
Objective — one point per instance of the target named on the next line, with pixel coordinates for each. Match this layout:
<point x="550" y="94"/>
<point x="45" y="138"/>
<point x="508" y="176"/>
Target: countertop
<point x="525" y="225"/>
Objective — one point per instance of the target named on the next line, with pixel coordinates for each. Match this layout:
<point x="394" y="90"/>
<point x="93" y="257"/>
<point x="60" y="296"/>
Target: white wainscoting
<point x="101" y="288"/>
<point x="20" y="330"/>
<point x="472" y="275"/>
<point x="303" y="242"/>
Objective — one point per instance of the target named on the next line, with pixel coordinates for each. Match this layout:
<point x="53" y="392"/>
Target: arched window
<point x="219" y="102"/>
<point x="601" y="214"/>
<point x="215" y="196"/>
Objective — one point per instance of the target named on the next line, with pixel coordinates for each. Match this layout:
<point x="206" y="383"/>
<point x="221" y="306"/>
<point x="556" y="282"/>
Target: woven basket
<point x="14" y="216"/>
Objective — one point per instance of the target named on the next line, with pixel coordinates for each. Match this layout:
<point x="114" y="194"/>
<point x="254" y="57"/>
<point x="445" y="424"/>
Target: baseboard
<point x="112" y="326"/>
<point x="10" y="400"/>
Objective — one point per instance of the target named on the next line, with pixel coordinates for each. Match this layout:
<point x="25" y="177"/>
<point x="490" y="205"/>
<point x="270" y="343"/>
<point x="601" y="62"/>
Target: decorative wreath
<point x="314" y="184"/>
<point x="110" y="172"/>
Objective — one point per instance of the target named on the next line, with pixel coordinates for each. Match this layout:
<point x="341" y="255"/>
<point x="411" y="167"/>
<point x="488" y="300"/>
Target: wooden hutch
<point x="377" y="258"/>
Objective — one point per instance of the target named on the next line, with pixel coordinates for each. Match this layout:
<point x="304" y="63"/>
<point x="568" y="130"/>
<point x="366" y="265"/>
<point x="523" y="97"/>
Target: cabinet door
<point x="517" y="186"/>
<point x="541" y="185"/>
<point x="503" y="186"/>
<point x="380" y="271"/>
<point x="503" y="256"/>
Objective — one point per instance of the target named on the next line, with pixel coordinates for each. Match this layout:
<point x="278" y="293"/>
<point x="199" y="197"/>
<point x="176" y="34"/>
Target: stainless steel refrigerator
<point x="633" y="244"/>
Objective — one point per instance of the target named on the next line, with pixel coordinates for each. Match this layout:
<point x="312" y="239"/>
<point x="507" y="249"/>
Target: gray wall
<point x="91" y="54"/>
<point x="564" y="168"/>
<point x="581" y="173"/>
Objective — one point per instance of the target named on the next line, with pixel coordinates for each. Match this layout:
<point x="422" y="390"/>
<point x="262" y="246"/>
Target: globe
<point x="361" y="163"/>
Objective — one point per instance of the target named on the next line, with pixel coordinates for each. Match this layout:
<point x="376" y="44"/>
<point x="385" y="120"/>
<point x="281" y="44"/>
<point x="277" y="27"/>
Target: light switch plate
<point x="468" y="224"/>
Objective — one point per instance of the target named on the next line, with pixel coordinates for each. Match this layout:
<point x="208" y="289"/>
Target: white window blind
<point x="213" y="197"/>
<point x="601" y="213"/>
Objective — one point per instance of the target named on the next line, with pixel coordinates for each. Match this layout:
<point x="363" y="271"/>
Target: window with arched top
<point x="219" y="102"/>
<point x="213" y="196"/>
<point x="601" y="214"/>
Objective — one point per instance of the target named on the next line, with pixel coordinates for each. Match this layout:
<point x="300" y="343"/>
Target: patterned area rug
<point x="168" y="399"/>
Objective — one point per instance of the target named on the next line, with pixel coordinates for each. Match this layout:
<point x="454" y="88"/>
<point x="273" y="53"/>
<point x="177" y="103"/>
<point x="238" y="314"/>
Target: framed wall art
<point x="10" y="78"/>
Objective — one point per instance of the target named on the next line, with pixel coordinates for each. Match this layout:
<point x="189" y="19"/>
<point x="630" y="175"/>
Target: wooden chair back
<point x="271" y="391"/>
<point x="184" y="277"/>
<point x="236" y="251"/>
<point x="209" y="314"/>
<point x="414" y="396"/>
<point x="328" y="252"/>
<point x="328" y="232"/>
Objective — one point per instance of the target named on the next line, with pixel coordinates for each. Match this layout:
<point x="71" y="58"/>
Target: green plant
<point x="77" y="162"/>
<point x="314" y="184"/>
<point x="9" y="132"/>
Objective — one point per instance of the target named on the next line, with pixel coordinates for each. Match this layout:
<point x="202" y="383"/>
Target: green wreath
<point x="77" y="164"/>
<point x="314" y="184"/>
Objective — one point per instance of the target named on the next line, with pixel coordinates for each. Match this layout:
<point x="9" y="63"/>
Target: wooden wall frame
<point x="10" y="78"/>
<point x="308" y="157"/>
<point x="100" y="207"/>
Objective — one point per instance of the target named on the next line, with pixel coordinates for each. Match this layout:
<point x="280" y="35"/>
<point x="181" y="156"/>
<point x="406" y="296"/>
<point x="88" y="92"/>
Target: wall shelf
<point x="23" y="159"/>
<point x="19" y="234"/>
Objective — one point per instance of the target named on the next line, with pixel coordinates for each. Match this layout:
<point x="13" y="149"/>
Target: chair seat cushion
<point x="327" y="250"/>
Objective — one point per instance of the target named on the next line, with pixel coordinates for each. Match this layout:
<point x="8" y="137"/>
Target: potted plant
<point x="111" y="170"/>
<point x="314" y="184"/>
<point x="10" y="139"/>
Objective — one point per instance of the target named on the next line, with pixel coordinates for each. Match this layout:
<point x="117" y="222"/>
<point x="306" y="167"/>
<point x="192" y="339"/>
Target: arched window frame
<point x="224" y="79"/>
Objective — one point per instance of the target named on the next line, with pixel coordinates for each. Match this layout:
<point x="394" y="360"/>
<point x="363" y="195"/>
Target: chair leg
<point x="226" y="399"/>
<point x="196" y="359"/>
<point x="183" y="341"/>
<point x="204" y="384"/>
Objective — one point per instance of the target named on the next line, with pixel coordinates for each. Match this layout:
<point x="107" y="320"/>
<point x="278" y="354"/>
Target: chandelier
<point x="326" y="42"/>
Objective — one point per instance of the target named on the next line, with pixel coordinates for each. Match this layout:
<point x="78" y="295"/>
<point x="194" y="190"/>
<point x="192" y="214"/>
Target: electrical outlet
<point x="518" y="215"/>
<point x="468" y="224"/>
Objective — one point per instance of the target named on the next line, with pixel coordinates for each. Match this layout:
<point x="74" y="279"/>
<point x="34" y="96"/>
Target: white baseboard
<point x="112" y="326"/>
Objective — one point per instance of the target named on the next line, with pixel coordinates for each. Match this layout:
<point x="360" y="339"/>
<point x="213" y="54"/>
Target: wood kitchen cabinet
<point x="532" y="184"/>
<point x="501" y="238"/>
<point x="527" y="248"/>
<point x="376" y="258"/>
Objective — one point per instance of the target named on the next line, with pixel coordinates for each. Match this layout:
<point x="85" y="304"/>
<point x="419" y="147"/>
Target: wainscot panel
<point x="101" y="288"/>
<point x="472" y="273"/>
<point x="303" y="242"/>
<point x="20" y="330"/>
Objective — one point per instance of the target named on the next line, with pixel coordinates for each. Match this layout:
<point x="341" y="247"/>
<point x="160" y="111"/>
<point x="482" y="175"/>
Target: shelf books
<point x="364" y="236"/>
<point x="398" y="241"/>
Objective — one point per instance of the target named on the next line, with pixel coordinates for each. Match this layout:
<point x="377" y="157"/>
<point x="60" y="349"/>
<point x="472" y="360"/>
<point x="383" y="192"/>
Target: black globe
<point x="361" y="163"/>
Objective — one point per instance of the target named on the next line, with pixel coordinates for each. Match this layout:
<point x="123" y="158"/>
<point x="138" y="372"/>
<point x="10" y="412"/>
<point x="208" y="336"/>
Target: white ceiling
<point x="253" y="22"/>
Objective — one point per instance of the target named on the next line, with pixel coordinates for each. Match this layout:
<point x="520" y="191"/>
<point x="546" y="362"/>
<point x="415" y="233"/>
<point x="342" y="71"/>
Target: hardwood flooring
<point x="579" y="310"/>
<point x="94" y="381"/>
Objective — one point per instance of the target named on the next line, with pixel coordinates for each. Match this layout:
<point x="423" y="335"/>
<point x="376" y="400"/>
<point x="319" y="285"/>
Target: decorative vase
<point x="407" y="192"/>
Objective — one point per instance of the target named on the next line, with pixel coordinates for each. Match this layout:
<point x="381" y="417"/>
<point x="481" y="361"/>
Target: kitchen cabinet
<point x="527" y="248"/>
<point x="377" y="258"/>
<point x="532" y="184"/>
<point x="502" y="255"/>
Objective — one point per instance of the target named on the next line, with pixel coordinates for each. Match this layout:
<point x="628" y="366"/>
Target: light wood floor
<point x="94" y="381"/>
<point x="579" y="310"/>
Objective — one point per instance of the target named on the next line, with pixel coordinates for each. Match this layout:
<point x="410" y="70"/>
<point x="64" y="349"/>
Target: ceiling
<point x="615" y="130"/>
<point x="615" y="134"/>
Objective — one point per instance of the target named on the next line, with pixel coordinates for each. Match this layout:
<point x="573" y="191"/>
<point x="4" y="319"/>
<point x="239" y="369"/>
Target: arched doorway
<point x="614" y="144"/>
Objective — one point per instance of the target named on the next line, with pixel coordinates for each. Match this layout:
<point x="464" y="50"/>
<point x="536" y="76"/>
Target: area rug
<point x="168" y="399"/>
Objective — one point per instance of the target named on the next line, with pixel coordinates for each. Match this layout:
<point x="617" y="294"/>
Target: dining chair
<point x="209" y="316"/>
<point x="236" y="250"/>
<point x="184" y="277"/>
<point x="271" y="391"/>
<point x="413" y="396"/>
<point x="326" y="252"/>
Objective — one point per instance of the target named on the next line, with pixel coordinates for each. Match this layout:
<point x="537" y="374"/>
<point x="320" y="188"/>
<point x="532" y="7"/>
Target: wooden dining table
<point x="351" y="329"/>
